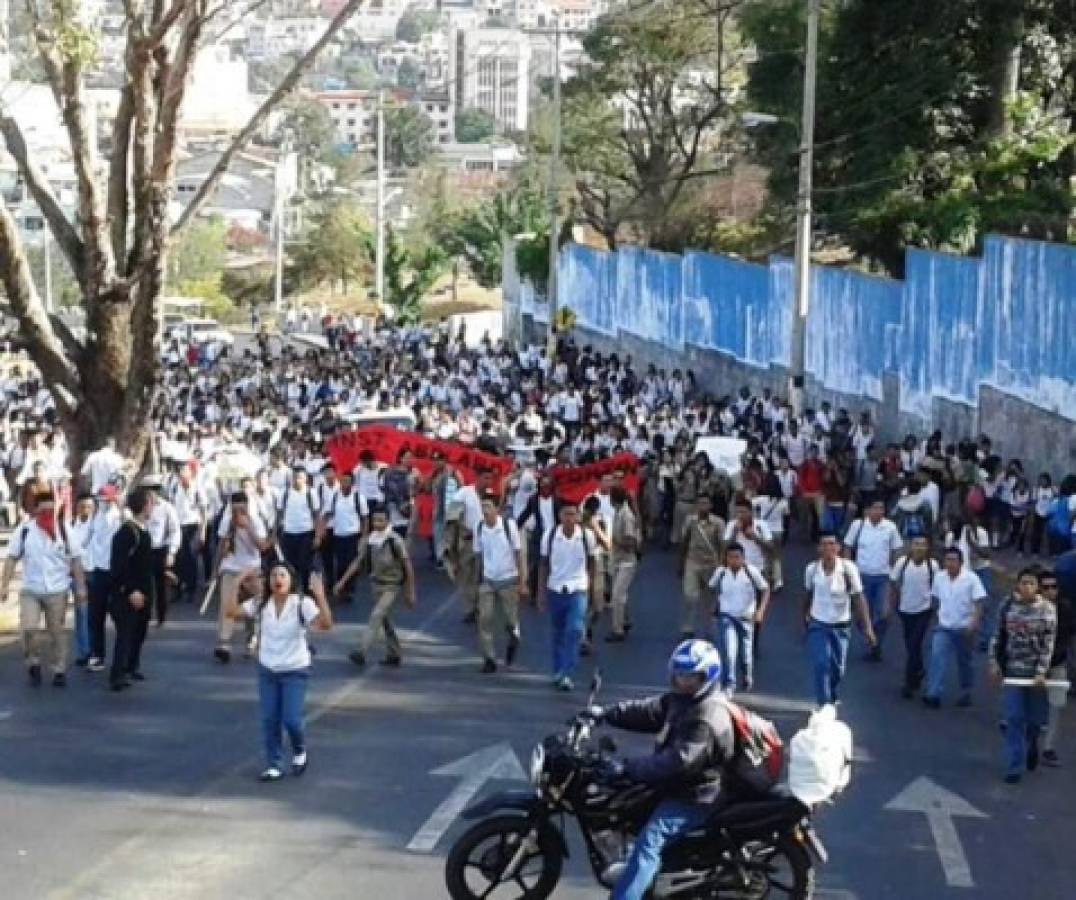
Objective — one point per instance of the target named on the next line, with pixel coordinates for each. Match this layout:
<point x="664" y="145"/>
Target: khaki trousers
<point x="623" y="575"/>
<point x="380" y="625"/>
<point x="32" y="606"/>
<point x="490" y="597"/>
<point x="467" y="576"/>
<point x="229" y="593"/>
<point x="681" y="511"/>
<point x="696" y="585"/>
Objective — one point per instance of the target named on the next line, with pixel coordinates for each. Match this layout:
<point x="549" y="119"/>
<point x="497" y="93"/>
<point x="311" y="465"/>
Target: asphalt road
<point x="153" y="793"/>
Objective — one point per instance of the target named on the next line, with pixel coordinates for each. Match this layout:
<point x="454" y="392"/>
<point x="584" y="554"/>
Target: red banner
<point x="386" y="443"/>
<point x="576" y="483"/>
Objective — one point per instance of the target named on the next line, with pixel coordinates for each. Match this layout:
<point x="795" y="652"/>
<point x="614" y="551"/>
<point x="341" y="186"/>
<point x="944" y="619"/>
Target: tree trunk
<point x="1005" y="20"/>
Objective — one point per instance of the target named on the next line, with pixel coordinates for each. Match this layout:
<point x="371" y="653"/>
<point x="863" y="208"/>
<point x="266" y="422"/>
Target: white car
<point x="202" y="331"/>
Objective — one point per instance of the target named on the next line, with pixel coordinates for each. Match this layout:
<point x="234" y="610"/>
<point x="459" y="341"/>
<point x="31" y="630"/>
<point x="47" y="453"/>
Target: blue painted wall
<point x="955" y="323"/>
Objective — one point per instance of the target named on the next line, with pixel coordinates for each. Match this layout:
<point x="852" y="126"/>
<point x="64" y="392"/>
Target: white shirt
<point x="961" y="542"/>
<point x="282" y="643"/>
<point x="163" y="527"/>
<point x="368" y="483"/>
<point x="738" y="592"/>
<point x="789" y="481"/>
<point x="103" y="527"/>
<point x="348" y="511"/>
<point x="189" y="503"/>
<point x="914" y="583"/>
<point x="498" y="545"/>
<point x="46" y="563"/>
<point x="467" y="497"/>
<point x="297" y="510"/>
<point x="244" y="554"/>
<point x="772" y="511"/>
<point x="78" y="541"/>
<point x="874" y="544"/>
<point x="957" y="598"/>
<point x="567" y="558"/>
<point x="752" y="552"/>
<point x="101" y="466"/>
<point x="831" y="594"/>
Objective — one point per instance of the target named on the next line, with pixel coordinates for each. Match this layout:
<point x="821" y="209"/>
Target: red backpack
<point x="760" y="752"/>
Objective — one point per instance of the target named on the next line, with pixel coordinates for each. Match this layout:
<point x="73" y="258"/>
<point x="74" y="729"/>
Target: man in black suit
<point x="539" y="515"/>
<point x="132" y="574"/>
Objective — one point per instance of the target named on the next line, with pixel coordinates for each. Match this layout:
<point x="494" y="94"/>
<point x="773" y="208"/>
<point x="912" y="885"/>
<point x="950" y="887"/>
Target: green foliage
<point x="336" y="249"/>
<point x="409" y="276"/>
<point x="202" y="252"/>
<point x="920" y="139"/>
<point x="409" y="74"/>
<point x="310" y="128"/>
<point x="532" y="259"/>
<point x="361" y="75"/>
<point x="648" y="111"/>
<point x="474" y="126"/>
<point x="415" y="22"/>
<point x="248" y="287"/>
<point x="477" y="232"/>
<point x="409" y="136"/>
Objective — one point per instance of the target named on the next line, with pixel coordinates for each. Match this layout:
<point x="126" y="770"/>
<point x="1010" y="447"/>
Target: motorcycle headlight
<point x="537" y="765"/>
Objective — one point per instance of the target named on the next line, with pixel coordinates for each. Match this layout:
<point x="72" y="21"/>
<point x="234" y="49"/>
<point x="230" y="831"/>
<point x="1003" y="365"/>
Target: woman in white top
<point x="284" y="662"/>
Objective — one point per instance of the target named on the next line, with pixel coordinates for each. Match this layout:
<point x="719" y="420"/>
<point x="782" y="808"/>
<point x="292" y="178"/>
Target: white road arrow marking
<point x="498" y="761"/>
<point x="940" y="807"/>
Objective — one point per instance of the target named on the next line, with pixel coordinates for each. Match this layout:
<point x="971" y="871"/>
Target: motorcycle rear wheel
<point x="793" y="880"/>
<point x="475" y="865"/>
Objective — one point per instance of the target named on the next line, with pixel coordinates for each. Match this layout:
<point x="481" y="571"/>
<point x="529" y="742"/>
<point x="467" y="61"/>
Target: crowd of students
<point x="245" y="484"/>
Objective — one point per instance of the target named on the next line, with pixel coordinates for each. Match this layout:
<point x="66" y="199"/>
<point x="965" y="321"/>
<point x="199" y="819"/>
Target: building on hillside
<point x="489" y="68"/>
<point x="354" y="115"/>
<point x="218" y="99"/>
<point x="490" y="158"/>
<point x="440" y="111"/>
<point x="273" y="37"/>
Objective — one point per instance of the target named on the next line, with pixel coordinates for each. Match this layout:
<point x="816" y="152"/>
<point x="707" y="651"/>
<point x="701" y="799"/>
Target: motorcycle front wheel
<point x="491" y="862"/>
<point x="780" y="871"/>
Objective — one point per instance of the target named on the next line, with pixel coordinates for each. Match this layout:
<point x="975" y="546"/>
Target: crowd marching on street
<point x="249" y="513"/>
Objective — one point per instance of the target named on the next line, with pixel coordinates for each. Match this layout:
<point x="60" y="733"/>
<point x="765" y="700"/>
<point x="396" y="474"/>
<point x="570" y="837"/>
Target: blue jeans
<point x="568" y="613"/>
<point x="82" y="630"/>
<point x="671" y="819"/>
<point x="827" y="649"/>
<point x="875" y="589"/>
<point x="942" y="642"/>
<point x="988" y="622"/>
<point x="281" y="696"/>
<point x="1025" y="710"/>
<point x="735" y="638"/>
<point x="833" y="517"/>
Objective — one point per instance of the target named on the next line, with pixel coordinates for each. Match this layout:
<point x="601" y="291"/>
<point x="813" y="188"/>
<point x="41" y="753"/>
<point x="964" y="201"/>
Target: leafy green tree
<point x="649" y="111"/>
<point x="415" y="22"/>
<point x="361" y="75"/>
<point x="936" y="123"/>
<point x="474" y="126"/>
<point x="409" y="276"/>
<point x="409" y="136"/>
<point x="336" y="250"/>
<point x="409" y="74"/>
<point x="202" y="252"/>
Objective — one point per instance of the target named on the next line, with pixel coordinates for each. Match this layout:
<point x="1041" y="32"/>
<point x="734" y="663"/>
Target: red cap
<point x="108" y="492"/>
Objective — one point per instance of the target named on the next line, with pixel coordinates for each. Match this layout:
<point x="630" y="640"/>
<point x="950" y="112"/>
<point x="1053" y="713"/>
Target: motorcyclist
<point x="696" y="741"/>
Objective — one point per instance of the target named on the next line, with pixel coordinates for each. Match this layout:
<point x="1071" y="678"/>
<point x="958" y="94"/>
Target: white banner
<point x="723" y="452"/>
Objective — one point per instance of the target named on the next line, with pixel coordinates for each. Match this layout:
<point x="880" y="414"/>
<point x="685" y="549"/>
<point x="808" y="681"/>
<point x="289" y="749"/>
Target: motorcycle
<point x="516" y="851"/>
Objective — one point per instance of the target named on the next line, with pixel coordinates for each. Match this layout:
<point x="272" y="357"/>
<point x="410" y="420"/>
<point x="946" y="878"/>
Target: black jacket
<point x="532" y="510"/>
<point x="695" y="742"/>
<point x="131" y="562"/>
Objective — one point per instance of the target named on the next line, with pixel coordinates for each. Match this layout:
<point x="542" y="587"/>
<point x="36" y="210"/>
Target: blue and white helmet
<point x="696" y="657"/>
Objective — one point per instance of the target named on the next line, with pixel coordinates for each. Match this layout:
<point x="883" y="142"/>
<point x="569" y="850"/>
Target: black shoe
<point x="35" y="675"/>
<point x="907" y="692"/>
<point x="356" y="657"/>
<point x="964" y="702"/>
<point x="118" y="685"/>
<point x="585" y="648"/>
<point x="873" y="655"/>
<point x="513" y="649"/>
<point x="392" y="660"/>
<point x="489" y="667"/>
<point x="1050" y="758"/>
<point x="687" y="635"/>
<point x="1033" y="753"/>
<point x="81" y="661"/>
<point x="60" y="680"/>
<point x="627" y="626"/>
<point x="136" y="675"/>
<point x="616" y="637"/>
<point x="1012" y="779"/>
<point x="222" y="654"/>
<point x="932" y="702"/>
<point x="470" y="619"/>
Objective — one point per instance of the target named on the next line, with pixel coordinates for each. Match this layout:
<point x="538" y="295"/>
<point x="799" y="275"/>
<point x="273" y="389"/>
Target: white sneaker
<point x="95" y="664"/>
<point x="298" y="763"/>
<point x="271" y="774"/>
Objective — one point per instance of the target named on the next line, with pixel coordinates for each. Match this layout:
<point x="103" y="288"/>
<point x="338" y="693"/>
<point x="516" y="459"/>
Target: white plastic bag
<point x="820" y="758"/>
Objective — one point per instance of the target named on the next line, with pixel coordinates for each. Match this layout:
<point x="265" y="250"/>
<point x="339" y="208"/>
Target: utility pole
<point x="798" y="368"/>
<point x="279" y="202"/>
<point x="48" y="272"/>
<point x="554" y="169"/>
<point x="379" y="271"/>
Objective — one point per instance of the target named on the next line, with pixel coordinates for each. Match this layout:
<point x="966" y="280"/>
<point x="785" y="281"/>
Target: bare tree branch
<point x="205" y="191"/>
<point x="66" y="236"/>
<point x="46" y="349"/>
